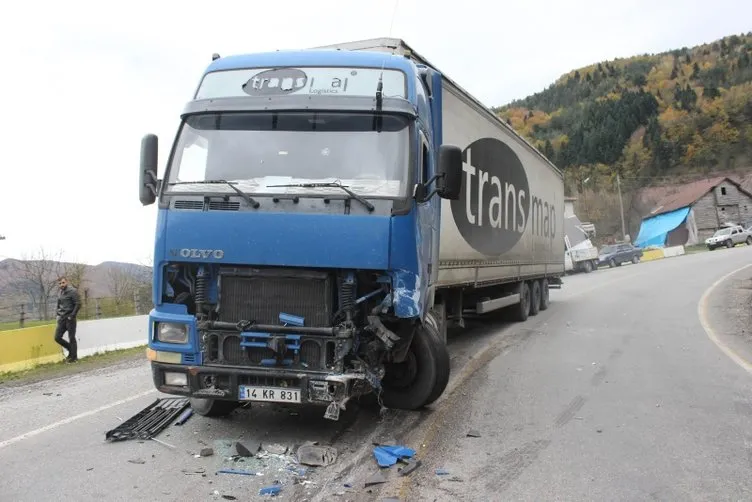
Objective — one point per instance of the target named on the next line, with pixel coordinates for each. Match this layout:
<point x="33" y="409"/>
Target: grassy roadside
<point x="54" y="370"/>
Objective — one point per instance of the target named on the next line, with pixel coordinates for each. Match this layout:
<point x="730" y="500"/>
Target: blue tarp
<point x="654" y="231"/>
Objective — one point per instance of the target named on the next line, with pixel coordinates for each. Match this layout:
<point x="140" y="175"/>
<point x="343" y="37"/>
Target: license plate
<point x="269" y="394"/>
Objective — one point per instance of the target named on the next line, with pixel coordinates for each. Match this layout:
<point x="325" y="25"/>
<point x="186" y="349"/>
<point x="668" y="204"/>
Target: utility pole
<point x="621" y="208"/>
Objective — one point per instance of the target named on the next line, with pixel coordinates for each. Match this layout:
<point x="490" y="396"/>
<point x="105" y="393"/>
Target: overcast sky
<point x="83" y="82"/>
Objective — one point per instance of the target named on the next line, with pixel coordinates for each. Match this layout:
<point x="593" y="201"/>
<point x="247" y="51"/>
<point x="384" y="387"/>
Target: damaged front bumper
<point x="260" y="385"/>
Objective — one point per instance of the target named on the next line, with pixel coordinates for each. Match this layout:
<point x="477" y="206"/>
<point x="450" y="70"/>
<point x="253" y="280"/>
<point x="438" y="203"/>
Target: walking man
<point x="68" y="305"/>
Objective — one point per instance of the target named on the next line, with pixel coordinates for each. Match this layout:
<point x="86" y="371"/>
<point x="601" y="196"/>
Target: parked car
<point x="614" y="255"/>
<point x="729" y="236"/>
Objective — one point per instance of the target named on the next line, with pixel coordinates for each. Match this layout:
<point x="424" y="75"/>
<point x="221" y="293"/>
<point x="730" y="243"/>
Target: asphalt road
<point x="615" y="393"/>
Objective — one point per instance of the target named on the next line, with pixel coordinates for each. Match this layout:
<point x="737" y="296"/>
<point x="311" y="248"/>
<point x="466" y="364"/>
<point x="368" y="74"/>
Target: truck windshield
<point x="261" y="149"/>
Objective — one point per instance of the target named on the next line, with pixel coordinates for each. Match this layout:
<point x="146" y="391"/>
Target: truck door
<point x="428" y="223"/>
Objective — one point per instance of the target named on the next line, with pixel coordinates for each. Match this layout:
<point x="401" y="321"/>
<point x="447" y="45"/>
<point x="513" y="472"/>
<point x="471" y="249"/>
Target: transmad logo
<point x="496" y="206"/>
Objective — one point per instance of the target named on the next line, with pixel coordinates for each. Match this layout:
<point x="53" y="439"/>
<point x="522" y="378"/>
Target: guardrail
<point x="660" y="253"/>
<point x="25" y="348"/>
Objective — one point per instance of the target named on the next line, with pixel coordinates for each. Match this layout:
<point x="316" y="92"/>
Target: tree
<point x="37" y="279"/>
<point x="695" y="70"/>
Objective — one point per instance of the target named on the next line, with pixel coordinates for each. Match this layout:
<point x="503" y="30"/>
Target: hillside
<point x="688" y="111"/>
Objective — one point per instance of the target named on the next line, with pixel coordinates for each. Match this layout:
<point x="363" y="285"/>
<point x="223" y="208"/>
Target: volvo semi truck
<point x="324" y="214"/>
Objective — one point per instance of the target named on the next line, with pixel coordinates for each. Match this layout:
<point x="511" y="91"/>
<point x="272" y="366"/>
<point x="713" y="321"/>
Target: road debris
<point x="316" y="456"/>
<point x="238" y="471"/>
<point x="192" y="472"/>
<point x="183" y="418"/>
<point x="271" y="490"/>
<point x="163" y="443"/>
<point x="137" y="461"/>
<point x="229" y="497"/>
<point x="242" y="450"/>
<point x="472" y="433"/>
<point x="206" y="452"/>
<point x="442" y="472"/>
<point x="150" y="421"/>
<point x="376" y="479"/>
<point x="411" y="465"/>
<point x="387" y="456"/>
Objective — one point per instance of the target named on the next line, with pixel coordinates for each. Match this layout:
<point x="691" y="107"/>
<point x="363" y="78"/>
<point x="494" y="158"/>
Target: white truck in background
<point x="580" y="255"/>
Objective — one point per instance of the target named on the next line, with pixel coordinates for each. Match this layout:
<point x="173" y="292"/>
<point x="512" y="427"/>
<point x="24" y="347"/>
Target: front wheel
<point x="213" y="407"/>
<point x="729" y="243"/>
<point x="421" y="377"/>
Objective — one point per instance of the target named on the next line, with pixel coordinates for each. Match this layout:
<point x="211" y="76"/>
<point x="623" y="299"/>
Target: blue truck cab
<point x="296" y="249"/>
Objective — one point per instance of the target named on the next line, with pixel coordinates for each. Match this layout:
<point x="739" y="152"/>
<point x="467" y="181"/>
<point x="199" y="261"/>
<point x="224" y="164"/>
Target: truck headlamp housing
<point x="170" y="332"/>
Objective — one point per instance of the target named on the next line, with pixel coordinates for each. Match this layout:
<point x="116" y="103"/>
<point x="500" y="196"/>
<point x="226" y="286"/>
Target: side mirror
<point x="147" y="174"/>
<point x="449" y="183"/>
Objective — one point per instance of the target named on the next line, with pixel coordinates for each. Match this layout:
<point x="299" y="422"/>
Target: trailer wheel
<point x="535" y="297"/>
<point x="213" y="407"/>
<point x="442" y="368"/>
<point x="411" y="384"/>
<point x="521" y="311"/>
<point x="544" y="295"/>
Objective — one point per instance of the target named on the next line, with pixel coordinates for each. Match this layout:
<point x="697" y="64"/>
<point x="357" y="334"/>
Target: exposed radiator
<point x="260" y="295"/>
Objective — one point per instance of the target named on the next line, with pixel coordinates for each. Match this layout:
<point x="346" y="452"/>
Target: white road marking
<point x="702" y="314"/>
<point x="68" y="420"/>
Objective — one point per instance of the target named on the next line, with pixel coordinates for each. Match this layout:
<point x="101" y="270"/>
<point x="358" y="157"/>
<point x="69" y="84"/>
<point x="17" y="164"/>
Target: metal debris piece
<point x="376" y="479"/>
<point x="270" y="490"/>
<point x="206" y="452"/>
<point x="242" y="450"/>
<point x="472" y="433"/>
<point x="229" y="497"/>
<point x="183" y="418"/>
<point x="236" y="471"/>
<point x="316" y="456"/>
<point x="410" y="466"/>
<point x="190" y="472"/>
<point x="150" y="421"/>
<point x="137" y="461"/>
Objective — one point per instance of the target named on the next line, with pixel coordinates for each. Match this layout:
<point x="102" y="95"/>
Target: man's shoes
<point x="70" y="360"/>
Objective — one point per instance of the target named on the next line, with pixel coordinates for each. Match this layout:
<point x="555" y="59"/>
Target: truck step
<point x="150" y="421"/>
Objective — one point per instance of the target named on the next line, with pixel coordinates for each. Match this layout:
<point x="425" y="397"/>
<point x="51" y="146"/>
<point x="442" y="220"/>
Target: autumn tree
<point x="36" y="279"/>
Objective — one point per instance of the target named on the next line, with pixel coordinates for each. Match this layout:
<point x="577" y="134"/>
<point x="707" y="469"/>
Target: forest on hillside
<point x="655" y="117"/>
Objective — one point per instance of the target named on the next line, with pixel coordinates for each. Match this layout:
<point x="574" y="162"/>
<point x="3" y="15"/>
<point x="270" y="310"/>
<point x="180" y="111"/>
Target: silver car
<point x="729" y="237"/>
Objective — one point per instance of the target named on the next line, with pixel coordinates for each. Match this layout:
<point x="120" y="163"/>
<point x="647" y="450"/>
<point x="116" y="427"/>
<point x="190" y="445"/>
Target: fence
<point x="26" y="314"/>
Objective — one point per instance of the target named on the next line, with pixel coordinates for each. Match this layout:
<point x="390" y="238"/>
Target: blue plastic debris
<point x="387" y="456"/>
<point x="442" y="472"/>
<point x="270" y="490"/>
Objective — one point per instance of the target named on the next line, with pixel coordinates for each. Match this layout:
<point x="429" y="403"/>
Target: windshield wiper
<point x="334" y="184"/>
<point x="250" y="200"/>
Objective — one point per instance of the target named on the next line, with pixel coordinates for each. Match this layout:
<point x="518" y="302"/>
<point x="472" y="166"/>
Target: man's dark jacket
<point x="68" y="303"/>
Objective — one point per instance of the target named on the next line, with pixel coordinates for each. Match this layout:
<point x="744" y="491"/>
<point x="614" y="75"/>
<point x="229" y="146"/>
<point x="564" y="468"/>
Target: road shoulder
<point x="726" y="314"/>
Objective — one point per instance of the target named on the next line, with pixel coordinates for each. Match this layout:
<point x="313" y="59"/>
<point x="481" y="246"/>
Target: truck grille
<point x="314" y="353"/>
<point x="261" y="295"/>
